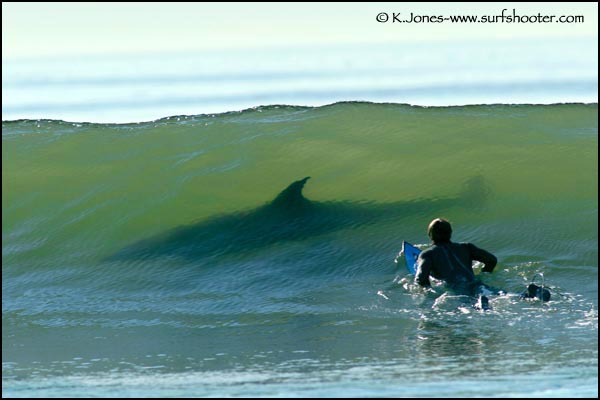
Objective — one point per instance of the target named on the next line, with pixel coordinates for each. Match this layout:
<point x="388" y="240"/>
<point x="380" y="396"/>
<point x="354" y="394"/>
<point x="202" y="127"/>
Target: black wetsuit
<point x="452" y="263"/>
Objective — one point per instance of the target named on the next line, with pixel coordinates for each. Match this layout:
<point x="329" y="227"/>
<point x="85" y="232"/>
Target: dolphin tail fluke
<point x="475" y="192"/>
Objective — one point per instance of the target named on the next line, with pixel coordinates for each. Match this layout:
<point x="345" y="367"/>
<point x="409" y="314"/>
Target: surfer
<point x="452" y="263"/>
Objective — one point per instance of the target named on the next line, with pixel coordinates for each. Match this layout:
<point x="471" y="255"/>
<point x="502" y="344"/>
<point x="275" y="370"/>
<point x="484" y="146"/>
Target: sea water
<point x="326" y="314"/>
<point x="145" y="87"/>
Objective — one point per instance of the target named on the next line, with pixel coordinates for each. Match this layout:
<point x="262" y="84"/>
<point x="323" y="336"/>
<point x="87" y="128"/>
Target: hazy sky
<point x="42" y="29"/>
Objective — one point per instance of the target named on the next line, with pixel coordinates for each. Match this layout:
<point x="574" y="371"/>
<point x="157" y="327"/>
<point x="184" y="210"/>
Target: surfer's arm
<point x="488" y="259"/>
<point x="423" y="269"/>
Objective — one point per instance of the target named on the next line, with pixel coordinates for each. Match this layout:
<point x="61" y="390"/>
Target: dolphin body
<point x="289" y="217"/>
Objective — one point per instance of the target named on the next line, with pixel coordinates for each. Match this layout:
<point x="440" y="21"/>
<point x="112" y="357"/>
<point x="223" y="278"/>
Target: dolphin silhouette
<point x="288" y="217"/>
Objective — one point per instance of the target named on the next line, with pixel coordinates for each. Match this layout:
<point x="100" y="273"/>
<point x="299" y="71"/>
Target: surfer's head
<point x="440" y="230"/>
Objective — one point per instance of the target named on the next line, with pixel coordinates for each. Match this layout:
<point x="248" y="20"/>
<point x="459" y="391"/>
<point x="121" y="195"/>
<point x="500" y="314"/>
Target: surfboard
<point x="411" y="253"/>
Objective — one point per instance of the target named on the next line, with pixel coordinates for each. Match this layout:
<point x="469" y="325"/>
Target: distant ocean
<point x="100" y="155"/>
<point x="139" y="88"/>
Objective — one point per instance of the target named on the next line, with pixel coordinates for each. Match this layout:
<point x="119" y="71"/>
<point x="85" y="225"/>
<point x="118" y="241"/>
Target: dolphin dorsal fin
<point x="292" y="195"/>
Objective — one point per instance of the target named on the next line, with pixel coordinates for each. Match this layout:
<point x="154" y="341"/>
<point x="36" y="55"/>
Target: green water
<point x="313" y="307"/>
